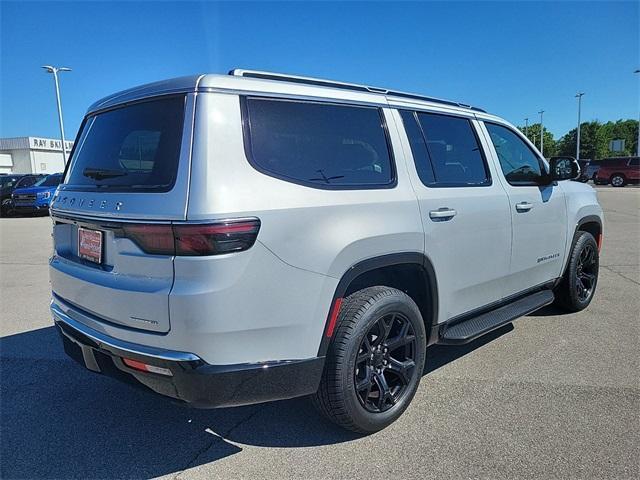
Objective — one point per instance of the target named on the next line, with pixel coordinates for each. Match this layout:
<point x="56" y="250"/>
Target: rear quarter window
<point x="318" y="145"/>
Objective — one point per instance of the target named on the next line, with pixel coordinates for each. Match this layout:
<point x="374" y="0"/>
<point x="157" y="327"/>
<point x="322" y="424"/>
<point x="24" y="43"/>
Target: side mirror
<point x="564" y="168"/>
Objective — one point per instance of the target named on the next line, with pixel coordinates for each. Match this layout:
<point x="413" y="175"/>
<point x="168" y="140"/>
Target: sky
<point x="511" y="58"/>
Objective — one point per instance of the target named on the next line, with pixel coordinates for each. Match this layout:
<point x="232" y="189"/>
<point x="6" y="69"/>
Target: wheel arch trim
<point x="581" y="222"/>
<point x="375" y="263"/>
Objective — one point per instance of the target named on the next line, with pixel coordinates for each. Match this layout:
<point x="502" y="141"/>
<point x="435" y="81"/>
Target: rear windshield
<point x="136" y="147"/>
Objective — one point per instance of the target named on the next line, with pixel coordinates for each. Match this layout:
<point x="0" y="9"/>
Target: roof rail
<point x="238" y="72"/>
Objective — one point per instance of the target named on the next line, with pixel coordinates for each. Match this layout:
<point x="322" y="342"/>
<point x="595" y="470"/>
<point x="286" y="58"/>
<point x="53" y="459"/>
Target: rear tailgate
<point x="128" y="287"/>
<point x="130" y="166"/>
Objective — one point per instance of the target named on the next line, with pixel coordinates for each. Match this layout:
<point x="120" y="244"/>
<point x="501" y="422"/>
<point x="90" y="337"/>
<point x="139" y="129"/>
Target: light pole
<point x="638" y="145"/>
<point x="579" y="97"/>
<point x="55" y="71"/>
<point x="541" y="134"/>
<point x="526" y="127"/>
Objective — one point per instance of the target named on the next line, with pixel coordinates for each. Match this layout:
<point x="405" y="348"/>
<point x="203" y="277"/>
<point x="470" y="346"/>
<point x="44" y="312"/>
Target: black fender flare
<point x="584" y="220"/>
<point x="375" y="263"/>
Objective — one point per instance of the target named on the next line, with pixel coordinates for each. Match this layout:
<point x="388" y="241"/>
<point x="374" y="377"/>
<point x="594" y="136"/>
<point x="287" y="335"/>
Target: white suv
<point x="234" y="239"/>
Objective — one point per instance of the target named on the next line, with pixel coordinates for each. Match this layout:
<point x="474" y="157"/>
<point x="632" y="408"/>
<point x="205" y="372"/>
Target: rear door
<point x="538" y="212"/>
<point x="465" y="213"/>
<point x="130" y="167"/>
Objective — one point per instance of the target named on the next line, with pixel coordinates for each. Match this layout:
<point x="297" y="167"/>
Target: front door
<point x="538" y="211"/>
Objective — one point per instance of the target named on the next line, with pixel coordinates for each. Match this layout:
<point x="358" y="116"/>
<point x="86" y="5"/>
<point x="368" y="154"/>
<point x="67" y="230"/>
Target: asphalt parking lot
<point x="553" y="396"/>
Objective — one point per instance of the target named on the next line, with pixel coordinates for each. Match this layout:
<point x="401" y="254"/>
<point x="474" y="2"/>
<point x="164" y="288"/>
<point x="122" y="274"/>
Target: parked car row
<point x="617" y="171"/>
<point x="27" y="193"/>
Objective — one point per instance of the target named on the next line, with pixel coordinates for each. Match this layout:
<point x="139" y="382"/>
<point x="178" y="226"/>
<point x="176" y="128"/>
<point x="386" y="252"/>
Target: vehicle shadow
<point x="62" y="421"/>
<point x="548" y="311"/>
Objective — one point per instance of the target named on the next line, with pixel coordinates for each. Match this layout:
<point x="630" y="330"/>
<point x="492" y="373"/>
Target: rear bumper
<point x="192" y="380"/>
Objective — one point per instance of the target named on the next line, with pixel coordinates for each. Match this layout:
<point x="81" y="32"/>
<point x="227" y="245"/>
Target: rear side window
<point x="634" y="162"/>
<point x="418" y="147"/>
<point x="446" y="150"/>
<point x="317" y="144"/>
<point x="136" y="147"/>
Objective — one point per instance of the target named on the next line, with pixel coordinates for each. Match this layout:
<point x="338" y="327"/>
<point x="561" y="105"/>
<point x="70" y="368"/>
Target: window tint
<point x="634" y="162"/>
<point x="418" y="147"/>
<point x="451" y="147"/>
<point x="136" y="147"/>
<point x="26" y="182"/>
<point x="520" y="165"/>
<point x="320" y="145"/>
<point x="49" y="181"/>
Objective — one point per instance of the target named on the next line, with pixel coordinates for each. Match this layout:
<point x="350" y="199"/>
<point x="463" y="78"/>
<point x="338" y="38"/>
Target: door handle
<point x="524" y="206"/>
<point x="443" y="213"/>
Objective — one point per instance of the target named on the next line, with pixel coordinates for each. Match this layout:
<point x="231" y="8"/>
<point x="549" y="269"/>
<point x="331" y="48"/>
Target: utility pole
<point x="541" y="134"/>
<point x="55" y="71"/>
<point x="579" y="97"/>
<point x="526" y="127"/>
<point x="638" y="144"/>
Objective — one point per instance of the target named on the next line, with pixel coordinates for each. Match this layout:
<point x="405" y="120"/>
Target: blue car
<point x="37" y="197"/>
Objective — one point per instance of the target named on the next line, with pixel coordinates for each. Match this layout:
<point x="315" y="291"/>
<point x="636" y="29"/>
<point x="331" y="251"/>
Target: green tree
<point x="595" y="138"/>
<point x="533" y="134"/>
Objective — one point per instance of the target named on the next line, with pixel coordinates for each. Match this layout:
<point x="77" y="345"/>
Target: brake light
<point x="157" y="239"/>
<point x="223" y="237"/>
<point x="194" y="239"/>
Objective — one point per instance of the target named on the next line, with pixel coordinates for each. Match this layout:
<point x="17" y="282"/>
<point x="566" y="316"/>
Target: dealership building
<point x="32" y="155"/>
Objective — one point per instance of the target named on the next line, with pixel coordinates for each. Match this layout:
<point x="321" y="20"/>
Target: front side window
<point x="317" y="144"/>
<point x="446" y="150"/>
<point x="130" y="148"/>
<point x="520" y="165"/>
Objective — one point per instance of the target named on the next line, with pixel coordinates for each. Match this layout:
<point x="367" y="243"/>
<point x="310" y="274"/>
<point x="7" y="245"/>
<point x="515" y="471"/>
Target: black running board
<point x="467" y="330"/>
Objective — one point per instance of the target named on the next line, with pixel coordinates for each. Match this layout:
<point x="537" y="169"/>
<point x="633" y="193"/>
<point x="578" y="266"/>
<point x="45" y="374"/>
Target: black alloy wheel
<point x="375" y="361"/>
<point x="385" y="363"/>
<point x="578" y="285"/>
<point x="586" y="273"/>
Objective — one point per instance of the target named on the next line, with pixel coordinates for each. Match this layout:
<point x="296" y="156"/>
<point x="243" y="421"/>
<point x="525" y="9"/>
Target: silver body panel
<point x="271" y="302"/>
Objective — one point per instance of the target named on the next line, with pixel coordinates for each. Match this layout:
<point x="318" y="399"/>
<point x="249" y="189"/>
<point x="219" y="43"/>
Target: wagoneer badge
<point x="101" y="204"/>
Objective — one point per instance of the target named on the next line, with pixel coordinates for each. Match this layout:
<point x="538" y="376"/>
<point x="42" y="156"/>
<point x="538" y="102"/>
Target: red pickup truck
<point x="618" y="171"/>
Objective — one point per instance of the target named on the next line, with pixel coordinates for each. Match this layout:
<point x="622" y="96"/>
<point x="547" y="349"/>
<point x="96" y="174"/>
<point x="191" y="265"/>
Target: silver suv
<point x="234" y="239"/>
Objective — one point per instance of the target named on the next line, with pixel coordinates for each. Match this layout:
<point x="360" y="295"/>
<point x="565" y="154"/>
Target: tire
<point x="576" y="290"/>
<point x="361" y="352"/>
<point x="618" y="180"/>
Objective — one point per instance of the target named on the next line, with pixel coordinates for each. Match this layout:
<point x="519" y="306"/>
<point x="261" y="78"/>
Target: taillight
<point x="223" y="237"/>
<point x="156" y="239"/>
<point x="194" y="239"/>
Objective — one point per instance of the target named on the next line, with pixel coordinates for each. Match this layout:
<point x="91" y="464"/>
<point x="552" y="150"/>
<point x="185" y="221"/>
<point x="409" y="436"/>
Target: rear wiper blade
<point x="101" y="173"/>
